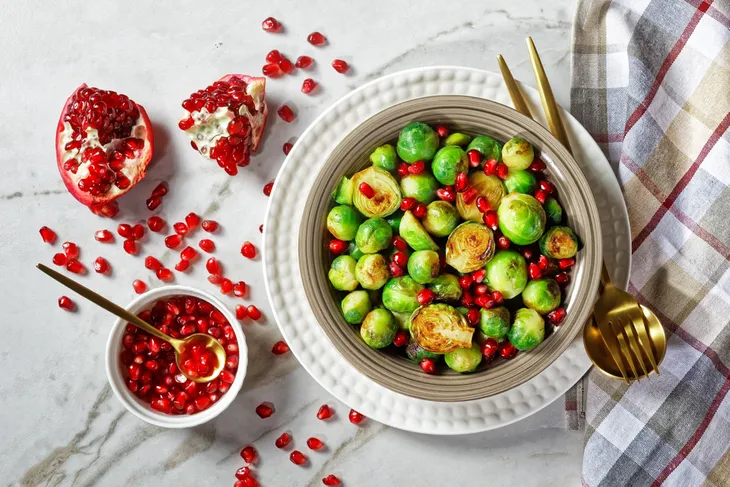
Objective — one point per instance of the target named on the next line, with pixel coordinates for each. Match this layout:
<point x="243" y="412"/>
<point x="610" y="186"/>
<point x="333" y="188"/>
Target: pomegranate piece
<point x="60" y="259"/>
<point x="566" y="263"/>
<point x="308" y="85"/>
<point x="543" y="263"/>
<point x="425" y="296"/>
<point x="325" y="412"/>
<point x="182" y="265"/>
<point x="340" y="65"/>
<point x="461" y="182"/>
<point x="447" y="194"/>
<point x="503" y="242"/>
<point x="428" y="366"/>
<point x="475" y="158"/>
<point x="286" y="113"/>
<point x="180" y="228"/>
<point x="497" y="297"/>
<point x="502" y="170"/>
<point x="253" y="312"/>
<point x="395" y="270"/>
<point x="248" y="250"/>
<point x="73" y="265"/>
<point x="164" y="274"/>
<point x="239" y="289"/>
<point x="537" y="166"/>
<point x="155" y="223"/>
<point x="213" y="266"/>
<point x="469" y="195"/>
<point x="270" y="24"/>
<point x="160" y="190"/>
<point x="298" y="458"/>
<point x="153" y="203"/>
<point x="533" y="270"/>
<point x="420" y="210"/>
<point x="541" y="196"/>
<point x="401" y="338"/>
<point x="286" y="65"/>
<point x="337" y="246"/>
<point x="48" y="235"/>
<point x="315" y="443"/>
<point x="242" y="473"/>
<point x="316" y="39"/>
<point x="482" y="204"/>
<point x="64" y="302"/>
<point x="355" y="417"/>
<point x="280" y="348"/>
<point x="226" y="286"/>
<point x="139" y="286"/>
<point x="442" y="131"/>
<point x="562" y="278"/>
<point x="261" y="228"/>
<point x="207" y="245"/>
<point x="331" y="480"/>
<point x="406" y="203"/>
<point x="241" y="312"/>
<point x="249" y="454"/>
<point x="402" y="169"/>
<point x="188" y="253"/>
<point x="152" y="263"/>
<point x="125" y="230"/>
<point x="557" y="316"/>
<point x="225" y="121"/>
<point x="268" y="187"/>
<point x="303" y="62"/>
<point x="473" y="316"/>
<point x="264" y="410"/>
<point x="491" y="219"/>
<point x="138" y="231"/>
<point x="417" y="167"/>
<point x="283" y="440"/>
<point x="274" y="56"/>
<point x="272" y="70"/>
<point x="173" y="241"/>
<point x="192" y="220"/>
<point x="507" y="350"/>
<point x="215" y="279"/>
<point x="489" y="349"/>
<point x="104" y="236"/>
<point x="130" y="247"/>
<point x="101" y="266"/>
<point x="70" y="250"/>
<point x="209" y="226"/>
<point x="287" y="148"/>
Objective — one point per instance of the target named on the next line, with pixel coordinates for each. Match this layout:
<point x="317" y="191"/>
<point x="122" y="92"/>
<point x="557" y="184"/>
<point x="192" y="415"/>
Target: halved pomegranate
<point x="225" y="121"/>
<point x="104" y="143"/>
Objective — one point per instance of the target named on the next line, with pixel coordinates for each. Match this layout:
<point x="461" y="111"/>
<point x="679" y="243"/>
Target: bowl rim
<point x="142" y="410"/>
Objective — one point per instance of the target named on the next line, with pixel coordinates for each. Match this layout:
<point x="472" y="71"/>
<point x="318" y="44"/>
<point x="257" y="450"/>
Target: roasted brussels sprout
<point x="440" y="328"/>
<point x="422" y="187"/>
<point x="372" y="271"/>
<point x="469" y="247"/>
<point x="394" y="220"/>
<point x="495" y="322"/>
<point x="424" y="266"/>
<point x="355" y="252"/>
<point x="457" y="138"/>
<point x="416" y="353"/>
<point x="373" y="235"/>
<point x="446" y="287"/>
<point x="553" y="211"/>
<point x="384" y="158"/>
<point x="517" y="153"/>
<point x="342" y="273"/>
<point x="387" y="192"/>
<point x="402" y="319"/>
<point x="378" y="328"/>
<point x="528" y="329"/>
<point x="343" y="221"/>
<point x="448" y="162"/>
<point x="542" y="295"/>
<point x="521" y="218"/>
<point x="519" y="181"/>
<point x="417" y="142"/>
<point x="507" y="273"/>
<point x="355" y="306"/>
<point x="441" y="218"/>
<point x="464" y="360"/>
<point x="400" y="294"/>
<point x="487" y="146"/>
<point x="559" y="243"/>
<point x="342" y="194"/>
<point x="414" y="234"/>
<point x="491" y="187"/>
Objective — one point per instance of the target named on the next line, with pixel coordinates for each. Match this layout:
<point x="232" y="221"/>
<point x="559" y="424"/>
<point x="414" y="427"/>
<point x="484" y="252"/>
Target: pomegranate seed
<point x="206" y="245"/>
<point x="475" y="157"/>
<point x="125" y="231"/>
<point x="315" y="443"/>
<point x="502" y="171"/>
<point x="242" y="473"/>
<point x="420" y="210"/>
<point x="446" y="194"/>
<point x="507" y="350"/>
<point x="406" y="203"/>
<point x="355" y="417"/>
<point x="188" y="253"/>
<point x="497" y="297"/>
<point x="270" y="24"/>
<point x="272" y="70"/>
<point x="537" y="166"/>
<point x="316" y="39"/>
<point x="160" y="190"/>
<point x="101" y="265"/>
<point x="481" y="289"/>
<point x="340" y="66"/>
<point x="226" y="286"/>
<point x="180" y="228"/>
<point x="155" y="223"/>
<point x="253" y="312"/>
<point x="483" y="204"/>
<point x="173" y="241"/>
<point x="152" y="263"/>
<point x="395" y="270"/>
<point x="286" y="65"/>
<point x="71" y="250"/>
<point x="546" y="186"/>
<point x="241" y="312"/>
<point x="153" y="203"/>
<point x="465" y="281"/>
<point x="48" y="235"/>
<point x="130" y="247"/>
<point x="417" y="167"/>
<point x="557" y="316"/>
<point x="478" y="276"/>
<point x="473" y="316"/>
<point x="325" y="412"/>
<point x="461" y="182"/>
<point x="287" y="148"/>
<point x="249" y="454"/>
<point x="215" y="279"/>
<point x="331" y="480"/>
<point x="139" y="286"/>
<point x="192" y="220"/>
<point x="543" y="263"/>
<point x="491" y="219"/>
<point x="285" y="113"/>
<point x="280" y="348"/>
<point x="65" y="302"/>
<point x="566" y="263"/>
<point x="104" y="236"/>
<point x="337" y="246"/>
<point x="164" y="274"/>
<point x="73" y="265"/>
<point x="248" y="482"/>
<point x="209" y="226"/>
<point x="484" y="301"/>
<point x="533" y="270"/>
<point x="366" y="190"/>
<point x="541" y="196"/>
<point x="503" y="242"/>
<point x="264" y="410"/>
<point x="401" y="338"/>
<point x="283" y="440"/>
<point x="239" y="289"/>
<point x="399" y="243"/>
<point x="425" y="296"/>
<point x="442" y="131"/>
<point x="138" y="232"/>
<point x="489" y="349"/>
<point x="298" y="458"/>
<point x="274" y="56"/>
<point x="248" y="250"/>
<point x="400" y="258"/>
<point x="490" y="167"/>
<point x="182" y="266"/>
<point x="213" y="266"/>
<point x="402" y="169"/>
<point x="308" y="85"/>
<point x="268" y="187"/>
<point x="467" y="299"/>
<point x="527" y="253"/>
<point x="304" y="62"/>
<point x="562" y="278"/>
<point x="469" y="195"/>
<point x="60" y="259"/>
<point x="428" y="366"/>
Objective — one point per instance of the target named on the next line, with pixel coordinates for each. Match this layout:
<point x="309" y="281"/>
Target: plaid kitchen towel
<point x="651" y="82"/>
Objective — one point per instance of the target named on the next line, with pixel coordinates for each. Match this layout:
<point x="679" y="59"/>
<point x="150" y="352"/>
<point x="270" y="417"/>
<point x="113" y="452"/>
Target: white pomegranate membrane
<point x="149" y="366"/>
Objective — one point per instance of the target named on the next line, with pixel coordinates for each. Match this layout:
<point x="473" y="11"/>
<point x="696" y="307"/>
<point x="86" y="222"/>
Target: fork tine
<point x="640" y="328"/>
<point x="615" y="354"/>
<point x="627" y="328"/>
<point x="626" y="353"/>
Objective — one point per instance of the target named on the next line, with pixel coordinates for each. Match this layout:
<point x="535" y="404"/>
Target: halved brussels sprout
<point x="373" y="235"/>
<point x="469" y="247"/>
<point x="342" y="194"/>
<point x="416" y="353"/>
<point x="414" y="234"/>
<point x="355" y="252"/>
<point x="372" y="271"/>
<point x="553" y="211"/>
<point x="384" y="158"/>
<point x="521" y="218"/>
<point x="487" y="146"/>
<point x="518" y="153"/>
<point x="402" y="319"/>
<point x="542" y="295"/>
<point x="559" y="243"/>
<point x="448" y="162"/>
<point x="507" y="273"/>
<point x="343" y="222"/>
<point x="519" y="181"/>
<point x="495" y="322"/>
<point x="464" y="360"/>
<point x="387" y="192"/>
<point x="355" y="306"/>
<point x="528" y="329"/>
<point x="400" y="294"/>
<point x="440" y="328"/>
<point x="457" y="138"/>
<point x="491" y="187"/>
<point x="446" y="287"/>
<point x="378" y="328"/>
<point x="417" y="142"/>
<point x="422" y="187"/>
<point x="342" y="273"/>
<point x="441" y="218"/>
<point x="424" y="266"/>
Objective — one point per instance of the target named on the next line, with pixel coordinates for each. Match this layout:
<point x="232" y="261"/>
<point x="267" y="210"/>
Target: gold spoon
<point x="180" y="346"/>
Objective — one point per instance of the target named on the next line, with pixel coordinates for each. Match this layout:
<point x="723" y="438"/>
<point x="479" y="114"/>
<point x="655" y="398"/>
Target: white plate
<point x="286" y="292"/>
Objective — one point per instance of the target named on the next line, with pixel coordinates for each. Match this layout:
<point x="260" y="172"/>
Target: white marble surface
<point x="59" y="422"/>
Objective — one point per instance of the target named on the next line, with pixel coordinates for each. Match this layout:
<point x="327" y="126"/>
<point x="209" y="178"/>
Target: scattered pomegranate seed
<point x="484" y="301"/>
<point x="543" y="263"/>
<point x="286" y="65"/>
<point x="541" y="196"/>
<point x="207" y="245"/>
<point x="60" y="259"/>
<point x="155" y="223"/>
<point x="537" y="166"/>
<point x="160" y="190"/>
<point x="325" y="412"/>
<point x="533" y="270"/>
<point x="139" y="286"/>
<point x="546" y="186"/>
<point x="272" y="70"/>
<point x="188" y="253"/>
<point x="254" y="312"/>
<point x="491" y="219"/>
<point x="248" y="250"/>
<point x="270" y="24"/>
<point x="248" y="482"/>
<point x="417" y="167"/>
<point x="287" y="148"/>
<point x="164" y="274"/>
<point x="304" y="62"/>
<point x="340" y="66"/>
<point x="402" y="169"/>
<point x="298" y="458"/>
<point x="283" y="440"/>
<point x="209" y="226"/>
<point x="280" y="348"/>
<point x="489" y="349"/>
<point x="215" y="279"/>
<point x="400" y="258"/>
<point x="566" y="263"/>
<point x="138" y="232"/>
<point x="308" y="85"/>
<point x="366" y="190"/>
<point x="442" y="131"/>
<point x="331" y="480"/>
<point x="104" y="236"/>
<point x="337" y="246"/>
<point x="473" y="316"/>
<point x="557" y="316"/>
<point x="242" y="473"/>
<point x="425" y="296"/>
<point x="125" y="230"/>
<point x="507" y="350"/>
<point x="562" y="278"/>
<point x="153" y="203"/>
<point x="401" y="338"/>
<point x="461" y="182"/>
<point x="180" y="228"/>
<point x="481" y="289"/>
<point x="490" y="167"/>
<point x="264" y="410"/>
<point x="497" y="297"/>
<point x="70" y="250"/>
<point x="478" y="275"/>
<point x="152" y="263"/>
<point x="399" y="243"/>
<point x="274" y="56"/>
<point x="475" y="157"/>
<point x="101" y="266"/>
<point x="226" y="286"/>
<point x="467" y="299"/>
<point x="469" y="195"/>
<point x="316" y="39"/>
<point x="286" y="113"/>
<point x="130" y="247"/>
<point x="249" y="455"/>
<point x="315" y="443"/>
<point x="395" y="270"/>
<point x="48" y="235"/>
<point x="420" y="210"/>
<point x="502" y="171"/>
<point x="503" y="242"/>
<point x="466" y="281"/>
<point x="428" y="366"/>
<point x="65" y="302"/>
<point x="73" y="265"/>
<point x="182" y="266"/>
<point x="527" y="253"/>
<point x="268" y="187"/>
<point x="192" y="220"/>
<point x="483" y="204"/>
<point x="446" y="194"/>
<point x="241" y="312"/>
<point x="407" y="203"/>
<point x="173" y="241"/>
<point x="355" y="417"/>
<point x="108" y="210"/>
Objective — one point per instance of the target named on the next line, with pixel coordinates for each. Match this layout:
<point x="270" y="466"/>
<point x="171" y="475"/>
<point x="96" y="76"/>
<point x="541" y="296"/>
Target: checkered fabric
<point x="651" y="83"/>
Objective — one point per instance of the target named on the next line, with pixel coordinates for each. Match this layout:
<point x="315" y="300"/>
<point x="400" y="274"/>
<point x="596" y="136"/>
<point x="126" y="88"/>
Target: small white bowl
<point x="142" y="409"/>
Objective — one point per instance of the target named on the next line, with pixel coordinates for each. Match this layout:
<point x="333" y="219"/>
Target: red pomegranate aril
<point x="507" y="350"/>
<point x="60" y="259"/>
<point x="125" y="230"/>
<point x="270" y="24"/>
<point x="104" y="236"/>
<point x="490" y="167"/>
<point x="315" y="443"/>
<point x="562" y="278"/>
<point x="242" y="473"/>
<point x="395" y="270"/>
<point x="401" y="338"/>
<point x="64" y="302"/>
<point x="152" y="263"/>
<point x="534" y="271"/>
<point x="215" y="279"/>
<point x="160" y="190"/>
<point x="482" y="204"/>
<point x="407" y="203"/>
<point x="325" y="412"/>
<point x="73" y="265"/>
<point x="461" y="182"/>
<point x="484" y="301"/>
<point x="308" y="85"/>
<point x="70" y="250"/>
<point x="101" y="265"/>
<point x="188" y="253"/>
<point x="226" y="286"/>
<point x="283" y="440"/>
<point x="425" y="296"/>
<point x="164" y="274"/>
<point x="566" y="263"/>
<point x="331" y="480"/>
<point x="528" y="253"/>
<point x="248" y="250"/>
<point x="475" y="157"/>
<point x="304" y="62"/>
<point x="466" y="281"/>
<point x="557" y="316"/>
<point x="491" y="219"/>
<point x="249" y="454"/>
<point x="473" y="316"/>
<point x="489" y="349"/>
<point x="253" y="312"/>
<point x="497" y="297"/>
<point x="274" y="56"/>
<point x="268" y="187"/>
<point x="366" y="190"/>
<point x="48" y="235"/>
<point x="469" y="195"/>
<point x="272" y="70"/>
<point x="130" y="247"/>
<point x="478" y="275"/>
<point x="264" y="410"/>
<point x="280" y="348"/>
<point x="428" y="366"/>
<point x="543" y="263"/>
<point x="173" y="241"/>
<point x="138" y="232"/>
<point x="213" y="266"/>
<point x="546" y="186"/>
<point x="420" y="210"/>
<point x="180" y="228"/>
<point x="206" y="245"/>
<point x="182" y="266"/>
<point x="248" y="482"/>
<point x="541" y="196"/>
<point x="241" y="312"/>
<point x="337" y="246"/>
<point x="139" y="286"/>
<point x="442" y="131"/>
<point x="239" y="289"/>
<point x="417" y="167"/>
<point x="467" y="299"/>
<point x="192" y="220"/>
<point x="316" y="39"/>
<point x="202" y="403"/>
<point x="286" y="113"/>
<point x="446" y="194"/>
<point x="287" y="148"/>
<point x="155" y="223"/>
<point x="298" y="458"/>
<point x="355" y="417"/>
<point x="503" y="242"/>
<point x="340" y="66"/>
<point x="502" y="171"/>
<point x="481" y="289"/>
<point x="400" y="258"/>
<point x="209" y="226"/>
<point x="402" y="169"/>
<point x="153" y="203"/>
<point x="286" y="65"/>
<point x="399" y="243"/>
<point x="537" y="166"/>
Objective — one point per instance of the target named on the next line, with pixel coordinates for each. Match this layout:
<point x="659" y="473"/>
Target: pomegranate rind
<point x="134" y="170"/>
